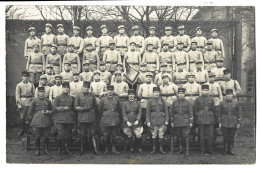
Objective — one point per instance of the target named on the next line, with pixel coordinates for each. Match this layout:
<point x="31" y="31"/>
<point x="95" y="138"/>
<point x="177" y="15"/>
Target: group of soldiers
<point x="82" y="86"/>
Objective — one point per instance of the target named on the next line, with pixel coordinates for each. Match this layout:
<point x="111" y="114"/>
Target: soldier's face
<point x="118" y="77"/>
<point x="143" y="68"/>
<point x="121" y="31"/>
<point x="229" y="96"/>
<point x="47" y="29"/>
<point x="110" y="92"/>
<point x="24" y="78"/>
<point x="168" y="32"/>
<point x="163" y="69"/>
<point x="60" y="29"/>
<point x="112" y="46"/>
<point x="227" y="76"/>
<point x="148" y="79"/>
<point x="210" y="46"/>
<point x="36" y="48"/>
<point x="58" y="80"/>
<point x="102" y="68"/>
<point x="165" y="47"/>
<point x="165" y="80"/>
<point x="132" y="47"/>
<point x="156" y="94"/>
<point x="71" y="48"/>
<point x="180" y="66"/>
<point x="53" y="50"/>
<point x="219" y="63"/>
<point x="211" y="79"/>
<point x="181" y="31"/>
<point x="119" y="67"/>
<point x="149" y="47"/>
<point x="131" y="96"/>
<point x="41" y="94"/>
<point x="191" y="79"/>
<point x="205" y="92"/>
<point x="89" y="47"/>
<point x="193" y="46"/>
<point x="43" y="81"/>
<point x="198" y="65"/>
<point x="199" y="32"/>
<point x="181" y="95"/>
<point x="66" y="89"/>
<point x="86" y="67"/>
<point x="135" y="32"/>
<point x="104" y="31"/>
<point x="75" y="77"/>
<point x="85" y="89"/>
<point x="67" y="67"/>
<point x="89" y="31"/>
<point x="76" y="32"/>
<point x="97" y="76"/>
<point x="32" y="33"/>
<point x="214" y="34"/>
<point x="180" y="46"/>
<point x="152" y="32"/>
<point x="49" y="70"/>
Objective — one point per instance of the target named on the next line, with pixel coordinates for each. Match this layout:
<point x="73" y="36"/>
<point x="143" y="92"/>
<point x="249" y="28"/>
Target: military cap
<point x="179" y="43"/>
<point x="41" y="89"/>
<point x="168" y="28"/>
<point x="135" y="27"/>
<point x="149" y="43"/>
<point x="156" y="89"/>
<point x="96" y="72"/>
<point x="112" y="42"/>
<point x="190" y="74"/>
<point x="67" y="62"/>
<point x="198" y="28"/>
<point x="209" y="71"/>
<point x="118" y="72"/>
<point x="75" y="73"/>
<point x="152" y="27"/>
<point x="131" y="91"/>
<point x="65" y="84"/>
<point x="181" y="90"/>
<point x="86" y="84"/>
<point x="165" y="75"/>
<point x="58" y="75"/>
<point x="120" y="26"/>
<point x="220" y="59"/>
<point x="88" y="43"/>
<point x="149" y="74"/>
<point x="229" y="91"/>
<point x="103" y="26"/>
<point x="89" y="28"/>
<point x="35" y="45"/>
<point x="102" y="63"/>
<point x="25" y="73"/>
<point x="143" y="65"/>
<point x="31" y="28"/>
<point x="70" y="44"/>
<point x="205" y="86"/>
<point x="209" y="42"/>
<point x="194" y="42"/>
<point x="119" y="64"/>
<point x="212" y="75"/>
<point x="199" y="62"/>
<point x="165" y="43"/>
<point x="132" y="42"/>
<point x="49" y="66"/>
<point x="43" y="77"/>
<point x="54" y="45"/>
<point x="180" y="63"/>
<point x="181" y="27"/>
<point x="48" y="25"/>
<point x="75" y="27"/>
<point x="214" y="30"/>
<point x="60" y="25"/>
<point x="85" y="62"/>
<point x="164" y="64"/>
<point x="226" y="71"/>
<point x="110" y="87"/>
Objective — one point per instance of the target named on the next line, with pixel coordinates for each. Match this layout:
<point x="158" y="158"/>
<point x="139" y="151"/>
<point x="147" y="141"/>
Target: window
<point x="250" y="81"/>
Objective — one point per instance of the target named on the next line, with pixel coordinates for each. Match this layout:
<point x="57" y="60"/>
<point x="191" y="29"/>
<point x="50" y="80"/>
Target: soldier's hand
<point x="47" y="112"/>
<point x="136" y="122"/>
<point x="219" y="125"/>
<point x="238" y="126"/>
<point x="26" y="58"/>
<point x="128" y="123"/>
<point x="149" y="124"/>
<point x="172" y="124"/>
<point x="166" y="123"/>
<point x="19" y="106"/>
<point x="191" y="124"/>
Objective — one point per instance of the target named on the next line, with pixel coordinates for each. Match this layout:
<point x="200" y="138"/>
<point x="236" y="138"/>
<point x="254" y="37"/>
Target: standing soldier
<point x="132" y="113"/>
<point x="210" y="57"/>
<point x="158" y="77"/>
<point x="97" y="87"/>
<point x="47" y="40"/>
<point x="181" y="56"/>
<point x="64" y="117"/>
<point x="230" y="84"/>
<point x="24" y="94"/>
<point x="218" y="71"/>
<point x="56" y="90"/>
<point x="86" y="106"/>
<point x="151" y="59"/>
<point x="217" y="44"/>
<point x="103" y="42"/>
<point x="73" y="58"/>
<point x="132" y="57"/>
<point x="29" y="42"/>
<point x="54" y="59"/>
<point x="112" y="57"/>
<point x="185" y="39"/>
<point x="40" y="112"/>
<point x="110" y="112"/>
<point x="50" y="75"/>
<point x="90" y="38"/>
<point x="142" y="76"/>
<point x="86" y="75"/>
<point x="230" y="118"/>
<point x="77" y="42"/>
<point x="204" y="111"/>
<point x="138" y="39"/>
<point x="92" y="56"/>
<point x="167" y="56"/>
<point x="121" y="41"/>
<point x="105" y="75"/>
<point x="157" y="119"/>
<point x="67" y="75"/>
<point x="75" y="85"/>
<point x="201" y="75"/>
<point x="119" y="68"/>
<point x="152" y="39"/>
<point x="180" y="76"/>
<point x="62" y="41"/>
<point x="194" y="55"/>
<point x="192" y="89"/>
<point x="35" y="65"/>
<point x="43" y="83"/>
<point x="201" y="41"/>
<point x="169" y="39"/>
<point x="181" y="117"/>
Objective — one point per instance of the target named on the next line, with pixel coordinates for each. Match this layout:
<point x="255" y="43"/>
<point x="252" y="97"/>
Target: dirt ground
<point x="244" y="148"/>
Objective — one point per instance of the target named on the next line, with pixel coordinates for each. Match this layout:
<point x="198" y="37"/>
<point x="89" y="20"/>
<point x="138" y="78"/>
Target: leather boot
<point x="131" y="145"/>
<point x="37" y="143"/>
<point x="139" y="145"/>
<point x="81" y="145"/>
<point x="114" y="151"/>
<point x="106" y="146"/>
<point x="67" y="147"/>
<point x="59" y="144"/>
<point x="187" y="142"/>
<point x="180" y="146"/>
<point x="210" y="147"/>
<point x="231" y="149"/>
<point x="154" y="146"/>
<point x="161" y="146"/>
<point x="95" y="145"/>
<point x="225" y="148"/>
<point x="46" y="145"/>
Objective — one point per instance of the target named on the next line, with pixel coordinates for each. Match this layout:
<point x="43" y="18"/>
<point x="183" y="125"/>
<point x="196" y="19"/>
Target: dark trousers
<point x="41" y="131"/>
<point x="64" y="130"/>
<point x="109" y="131"/>
<point x="87" y="128"/>
<point x="208" y="131"/>
<point x="229" y="134"/>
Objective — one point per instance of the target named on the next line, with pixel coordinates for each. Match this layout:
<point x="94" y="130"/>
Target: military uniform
<point x="64" y="118"/>
<point x="194" y="56"/>
<point x="181" y="56"/>
<point x="46" y="41"/>
<point x="218" y="45"/>
<point x="139" y="40"/>
<point x="181" y="116"/>
<point x="152" y="60"/>
<point x="121" y="42"/>
<point x="201" y="75"/>
<point x="158" y="77"/>
<point x="55" y="90"/>
<point x="67" y="76"/>
<point x="171" y="40"/>
<point x="91" y="39"/>
<point x="29" y="42"/>
<point x="201" y="41"/>
<point x="46" y="88"/>
<point x="86" y="75"/>
<point x="215" y="91"/>
<point x="205" y="113"/>
<point x="78" y="43"/>
<point x="132" y="59"/>
<point x="75" y="86"/>
<point x="55" y="60"/>
<point x="193" y="91"/>
<point x="103" y="43"/>
<point x="62" y="42"/>
<point x="155" y="41"/>
<point x="73" y="59"/>
<point x="218" y="71"/>
<point x="210" y="57"/>
<point x="92" y="57"/>
<point x="185" y="39"/>
<point x="230" y="117"/>
<point x="180" y="77"/>
<point x="120" y="88"/>
<point x="105" y="76"/>
<point x="40" y="111"/>
<point x="98" y="87"/>
<point x="168" y="57"/>
<point x="112" y="58"/>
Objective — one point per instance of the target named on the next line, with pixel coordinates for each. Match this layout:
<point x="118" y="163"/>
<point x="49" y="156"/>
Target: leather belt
<point x="104" y="46"/>
<point x="146" y="98"/>
<point x="169" y="62"/>
<point x="121" y="46"/>
<point x="111" y="62"/>
<point x="151" y="62"/>
<point x="192" y="61"/>
<point x="62" y="45"/>
<point x="167" y="95"/>
<point x="26" y="96"/>
<point x="218" y="49"/>
<point x="56" y="64"/>
<point x="133" y="63"/>
<point x="200" y="47"/>
<point x="36" y="63"/>
<point x="180" y="82"/>
<point x="93" y="62"/>
<point x="190" y="95"/>
<point x="29" y="48"/>
<point x="185" y="46"/>
<point x="76" y="48"/>
<point x="74" y="62"/>
<point x="47" y="45"/>
<point x="211" y="62"/>
<point x="214" y="95"/>
<point x="138" y="46"/>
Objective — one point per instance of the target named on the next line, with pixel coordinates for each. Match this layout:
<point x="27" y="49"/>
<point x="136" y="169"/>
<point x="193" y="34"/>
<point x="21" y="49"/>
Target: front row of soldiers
<point x="110" y="114"/>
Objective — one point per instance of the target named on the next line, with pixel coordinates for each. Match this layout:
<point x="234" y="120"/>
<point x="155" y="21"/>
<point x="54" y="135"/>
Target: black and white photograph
<point x="130" y="84"/>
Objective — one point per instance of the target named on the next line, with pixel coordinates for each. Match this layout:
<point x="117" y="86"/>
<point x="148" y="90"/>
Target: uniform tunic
<point x="121" y="88"/>
<point x="155" y="41"/>
<point x="194" y="56"/>
<point x="93" y="58"/>
<point x="86" y="76"/>
<point x="218" y="71"/>
<point x="169" y="59"/>
<point x="74" y="60"/>
<point x="75" y="88"/>
<point x="186" y="41"/>
<point x="201" y="42"/>
<point x="46" y="42"/>
<point x="97" y="89"/>
<point x="103" y="44"/>
<point x="54" y="92"/>
<point x="112" y="58"/>
<point x="145" y="91"/>
<point x="56" y="62"/>
<point x="78" y="43"/>
<point x="67" y="76"/>
<point x="181" y="56"/>
<point x="231" y="84"/>
<point x="168" y="93"/>
<point x="105" y="76"/>
<point x="131" y="112"/>
<point x="50" y="79"/>
<point x="192" y="91"/>
<point x="218" y="46"/>
<point x="28" y="46"/>
<point x="201" y="76"/>
<point x="93" y="41"/>
<point x="24" y="93"/>
<point x="158" y="78"/>
<point x="152" y="61"/>
<point x="122" y="42"/>
<point x="215" y="92"/>
<point x="46" y="92"/>
<point x="171" y="40"/>
<point x="132" y="59"/>
<point x="62" y="43"/>
<point x="180" y="77"/>
<point x="139" y="40"/>
<point x="36" y="62"/>
<point x="210" y="59"/>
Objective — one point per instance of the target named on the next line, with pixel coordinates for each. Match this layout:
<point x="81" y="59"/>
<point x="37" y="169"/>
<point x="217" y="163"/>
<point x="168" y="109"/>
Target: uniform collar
<point x="47" y="33"/>
<point x="181" y="34"/>
<point x="25" y="82"/>
<point x="131" y="100"/>
<point x="104" y="34"/>
<point x="32" y="37"/>
<point x="214" y="37"/>
<point x="152" y="36"/>
<point x="76" y="35"/>
<point x="193" y="49"/>
<point x="180" y="70"/>
<point x="165" y="84"/>
<point x="90" y="36"/>
<point x="199" y="69"/>
<point x="121" y="35"/>
<point x="219" y="66"/>
<point x="209" y="49"/>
